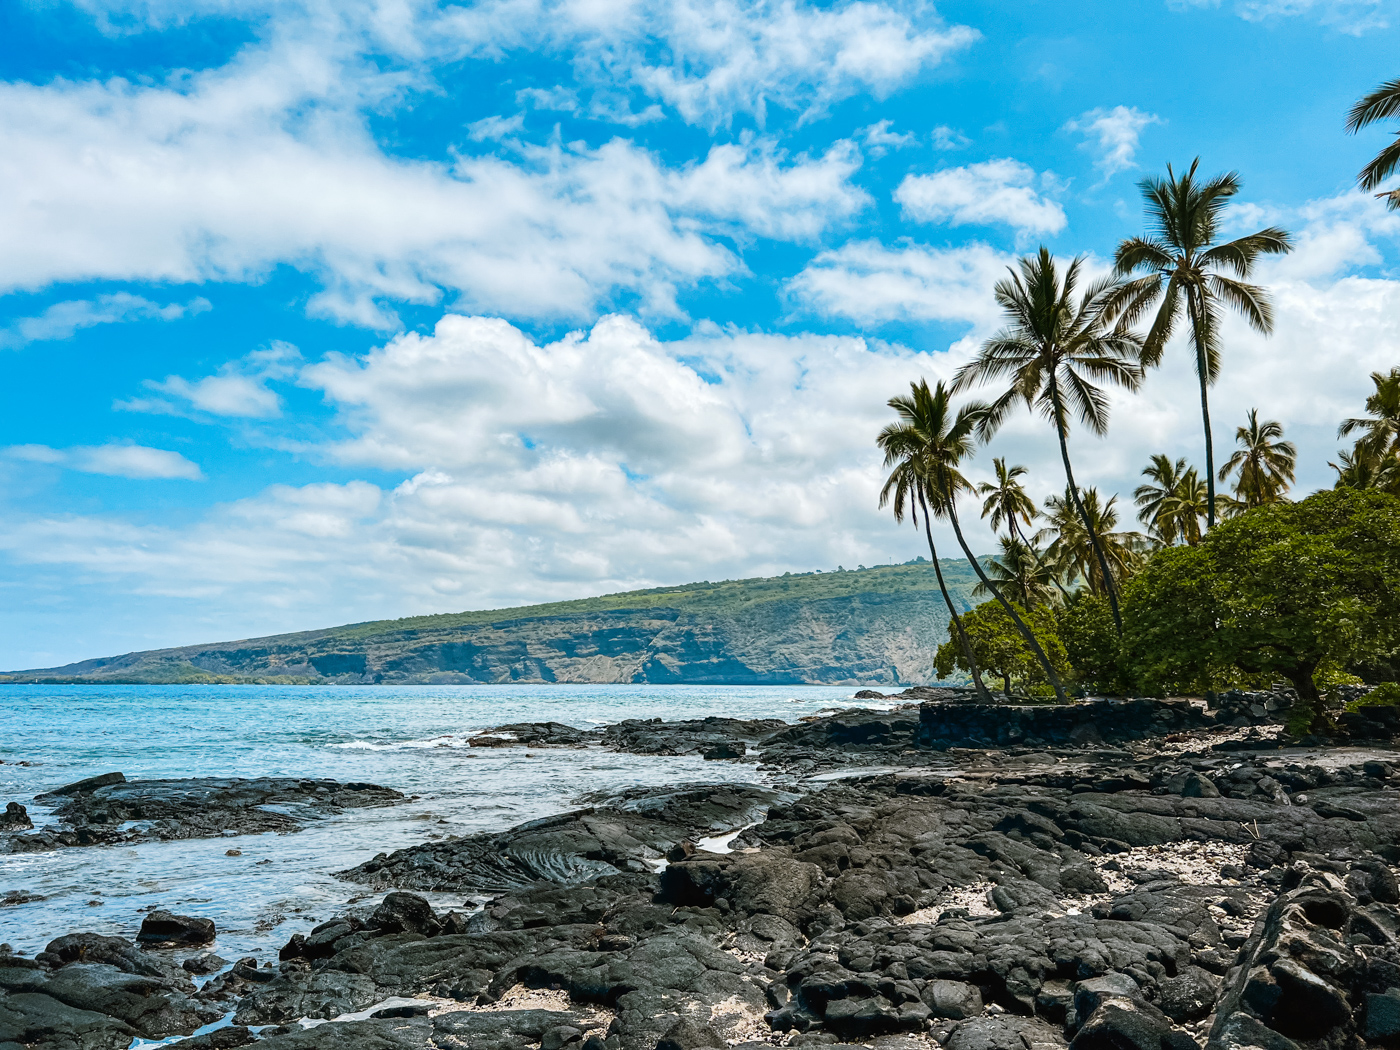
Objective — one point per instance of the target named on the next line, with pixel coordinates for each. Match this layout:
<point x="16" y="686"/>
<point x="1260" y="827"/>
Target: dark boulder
<point x="163" y="929"/>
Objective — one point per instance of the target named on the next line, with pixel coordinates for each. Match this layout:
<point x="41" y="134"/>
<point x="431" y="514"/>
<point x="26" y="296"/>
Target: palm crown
<point x="1264" y="462"/>
<point x="1186" y="274"/>
<point x="1172" y="507"/>
<point x="1055" y="350"/>
<point x="1006" y="499"/>
<point x="1380" y="104"/>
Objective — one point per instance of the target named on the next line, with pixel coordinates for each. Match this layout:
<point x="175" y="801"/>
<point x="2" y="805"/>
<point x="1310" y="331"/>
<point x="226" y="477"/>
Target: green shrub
<point x="1386" y="695"/>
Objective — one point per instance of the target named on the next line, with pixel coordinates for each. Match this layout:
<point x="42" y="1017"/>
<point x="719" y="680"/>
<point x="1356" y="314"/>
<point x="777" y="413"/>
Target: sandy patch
<point x="738" y="1021"/>
<point x="973" y="898"/>
<point x="1196" y="863"/>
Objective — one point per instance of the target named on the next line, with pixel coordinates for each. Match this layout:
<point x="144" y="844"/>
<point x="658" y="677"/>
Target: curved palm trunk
<point x="1010" y="610"/>
<point x="1110" y="588"/>
<point x="1198" y="338"/>
<point x="957" y="631"/>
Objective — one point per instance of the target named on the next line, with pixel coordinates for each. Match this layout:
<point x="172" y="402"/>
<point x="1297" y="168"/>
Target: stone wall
<point x="944" y="725"/>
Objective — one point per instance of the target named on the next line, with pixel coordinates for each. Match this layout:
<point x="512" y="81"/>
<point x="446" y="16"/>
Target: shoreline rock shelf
<point x="974" y="877"/>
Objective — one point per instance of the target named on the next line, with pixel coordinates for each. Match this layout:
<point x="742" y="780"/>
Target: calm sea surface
<point x="410" y="738"/>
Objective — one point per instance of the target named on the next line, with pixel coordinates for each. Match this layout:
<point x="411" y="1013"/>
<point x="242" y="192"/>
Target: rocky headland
<point x="1133" y="875"/>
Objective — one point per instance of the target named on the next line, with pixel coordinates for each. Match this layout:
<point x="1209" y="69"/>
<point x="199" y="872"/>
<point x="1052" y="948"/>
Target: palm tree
<point x="1157" y="503"/>
<point x="1072" y="549"/>
<point x="1172" y="508"/>
<point x="904" y="445"/>
<point x="1184" y="269"/>
<point x="925" y="448"/>
<point x="1006" y="500"/>
<point x="1190" y="506"/>
<point x="1381" y="433"/>
<point x="1380" y="104"/>
<point x="1363" y="469"/>
<point x="1264" y="463"/>
<point x="1053" y="349"/>
<point x="1021" y="573"/>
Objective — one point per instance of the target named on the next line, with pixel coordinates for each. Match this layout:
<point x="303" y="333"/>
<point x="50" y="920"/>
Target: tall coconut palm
<point x="1020" y="573"/>
<point x="908" y="489"/>
<point x="1006" y="500"/>
<point x="1054" y="348"/>
<point x="1264" y="463"/>
<point x="1171" y="508"/>
<point x="925" y="448"/>
<point x="1071" y="549"/>
<point x="1184" y="274"/>
<point x="1380" y="104"/>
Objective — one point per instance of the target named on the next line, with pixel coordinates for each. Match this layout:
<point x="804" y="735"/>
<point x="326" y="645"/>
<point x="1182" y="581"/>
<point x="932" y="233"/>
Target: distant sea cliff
<point x="865" y="626"/>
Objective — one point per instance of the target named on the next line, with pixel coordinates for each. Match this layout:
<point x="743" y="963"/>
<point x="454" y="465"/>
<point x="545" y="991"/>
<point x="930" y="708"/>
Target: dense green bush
<point x="1085" y="625"/>
<point x="1283" y="590"/>
<point x="1000" y="650"/>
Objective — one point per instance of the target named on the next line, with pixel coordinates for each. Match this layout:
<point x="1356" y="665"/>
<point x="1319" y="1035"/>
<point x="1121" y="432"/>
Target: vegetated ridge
<point x="880" y="625"/>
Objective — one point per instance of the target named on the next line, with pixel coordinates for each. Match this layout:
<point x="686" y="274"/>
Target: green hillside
<point x="877" y="625"/>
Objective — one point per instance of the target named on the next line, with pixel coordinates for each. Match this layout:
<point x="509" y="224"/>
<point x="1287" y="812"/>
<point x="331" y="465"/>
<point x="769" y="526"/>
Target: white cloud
<point x="1113" y="135"/>
<point x="212" y="179"/>
<point x="598" y="462"/>
<point x="64" y="320"/>
<point x="879" y="139"/>
<point x="559" y="99"/>
<point x="995" y="191"/>
<point x="117" y="460"/>
<point x="1349" y="16"/>
<point x="865" y="281"/>
<point x="238" y="389"/>
<point x="491" y="128"/>
<point x="946" y="138"/>
<point x="722" y="57"/>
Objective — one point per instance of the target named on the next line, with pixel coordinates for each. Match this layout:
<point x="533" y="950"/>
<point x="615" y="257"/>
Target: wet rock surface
<point x="1199" y="884"/>
<point x="111" y="810"/>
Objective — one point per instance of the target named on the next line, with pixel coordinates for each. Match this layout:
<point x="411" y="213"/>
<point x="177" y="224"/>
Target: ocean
<point x="411" y="738"/>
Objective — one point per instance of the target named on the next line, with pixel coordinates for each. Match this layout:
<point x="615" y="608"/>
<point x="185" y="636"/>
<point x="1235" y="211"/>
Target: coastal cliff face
<point x="879" y="626"/>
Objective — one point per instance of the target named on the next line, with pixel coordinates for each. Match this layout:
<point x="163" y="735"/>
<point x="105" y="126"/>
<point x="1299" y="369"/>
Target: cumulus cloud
<point x="238" y="389"/>
<point x="64" y="320"/>
<point x="866" y="281"/>
<point x="214" y="179"/>
<point x="879" y="139"/>
<point x="993" y="192"/>
<point x="1113" y="135"/>
<point x="117" y="460"/>
<point x="600" y="461"/>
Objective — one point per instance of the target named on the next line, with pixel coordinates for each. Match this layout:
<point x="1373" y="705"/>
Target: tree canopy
<point x="1285" y="590"/>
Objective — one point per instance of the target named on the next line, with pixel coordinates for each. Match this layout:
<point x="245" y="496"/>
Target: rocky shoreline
<point x="1114" y="875"/>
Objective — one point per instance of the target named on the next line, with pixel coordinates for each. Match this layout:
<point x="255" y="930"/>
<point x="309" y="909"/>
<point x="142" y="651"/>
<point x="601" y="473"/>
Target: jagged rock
<point x="952" y="999"/>
<point x="1189" y="996"/>
<point x="687" y="1034"/>
<point x="163" y="929"/>
<point x="110" y="809"/>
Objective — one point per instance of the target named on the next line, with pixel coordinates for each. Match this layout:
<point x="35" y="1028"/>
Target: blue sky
<point x="316" y="312"/>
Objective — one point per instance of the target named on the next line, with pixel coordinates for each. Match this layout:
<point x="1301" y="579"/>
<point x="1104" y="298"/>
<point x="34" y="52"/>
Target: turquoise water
<point x="412" y="738"/>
